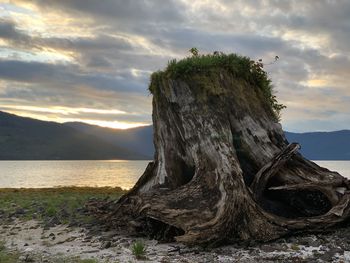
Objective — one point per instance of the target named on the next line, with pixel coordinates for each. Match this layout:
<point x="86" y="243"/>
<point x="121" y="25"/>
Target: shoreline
<point x="84" y="189"/>
<point x="29" y="241"/>
<point x="51" y="225"/>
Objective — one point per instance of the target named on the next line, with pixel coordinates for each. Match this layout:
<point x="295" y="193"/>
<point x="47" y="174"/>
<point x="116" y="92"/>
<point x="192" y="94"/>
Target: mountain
<point x="323" y="145"/>
<point x="315" y="145"/>
<point x="29" y="139"/>
<point x="138" y="139"/>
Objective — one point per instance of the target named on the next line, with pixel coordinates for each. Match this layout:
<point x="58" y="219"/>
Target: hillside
<point x="138" y="139"/>
<point x="29" y="139"/>
<point x="323" y="145"/>
<point x="25" y="138"/>
<point x="315" y="145"/>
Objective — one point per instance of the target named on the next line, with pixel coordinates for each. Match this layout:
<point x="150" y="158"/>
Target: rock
<point x="109" y="235"/>
<point x="27" y="258"/>
<point x="20" y="211"/>
<point x="53" y="221"/>
<point x="106" y="245"/>
<point x="323" y="248"/>
<point x="73" y="223"/>
<point x="327" y="257"/>
<point x="267" y="248"/>
<point x="92" y="251"/>
<point x="87" y="239"/>
<point x="34" y="227"/>
<point x="64" y="213"/>
<point x="311" y="241"/>
<point x="337" y="250"/>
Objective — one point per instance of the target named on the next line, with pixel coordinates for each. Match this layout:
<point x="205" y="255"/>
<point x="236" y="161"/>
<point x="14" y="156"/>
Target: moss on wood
<point x="206" y="70"/>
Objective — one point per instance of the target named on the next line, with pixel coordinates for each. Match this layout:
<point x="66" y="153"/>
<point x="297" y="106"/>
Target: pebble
<point x="327" y="256"/>
<point x="332" y="246"/>
<point x="92" y="251"/>
<point x="26" y="258"/>
<point x="267" y="248"/>
<point x="106" y="245"/>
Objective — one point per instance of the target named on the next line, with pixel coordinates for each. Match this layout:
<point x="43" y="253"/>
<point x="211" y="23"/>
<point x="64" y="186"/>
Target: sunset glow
<point x="68" y="60"/>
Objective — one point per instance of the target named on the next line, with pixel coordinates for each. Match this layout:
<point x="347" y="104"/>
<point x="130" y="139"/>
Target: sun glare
<point x="65" y="114"/>
<point x="115" y="124"/>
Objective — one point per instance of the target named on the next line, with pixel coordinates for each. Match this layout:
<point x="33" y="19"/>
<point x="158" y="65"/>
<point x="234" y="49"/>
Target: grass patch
<point x="138" y="249"/>
<point x="64" y="204"/>
<point x="295" y="247"/>
<point x="7" y="257"/>
<point x="239" y="67"/>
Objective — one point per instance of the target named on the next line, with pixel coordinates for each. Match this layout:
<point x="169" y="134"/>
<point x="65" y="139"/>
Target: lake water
<point x="38" y="174"/>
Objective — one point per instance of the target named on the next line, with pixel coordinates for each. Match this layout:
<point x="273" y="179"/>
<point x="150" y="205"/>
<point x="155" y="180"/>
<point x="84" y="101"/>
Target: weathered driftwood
<point x="223" y="170"/>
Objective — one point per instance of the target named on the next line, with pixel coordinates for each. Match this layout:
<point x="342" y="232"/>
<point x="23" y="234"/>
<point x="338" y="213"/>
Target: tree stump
<point x="223" y="170"/>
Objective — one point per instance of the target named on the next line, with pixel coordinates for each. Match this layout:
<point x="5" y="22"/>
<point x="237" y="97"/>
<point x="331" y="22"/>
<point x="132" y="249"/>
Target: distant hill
<point x="138" y="139"/>
<point x="323" y="145"/>
<point x="25" y="138"/>
<point x="29" y="139"/>
<point x="315" y="145"/>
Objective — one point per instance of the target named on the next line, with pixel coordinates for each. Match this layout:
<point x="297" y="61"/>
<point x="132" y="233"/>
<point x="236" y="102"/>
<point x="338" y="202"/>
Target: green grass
<point x="7" y="257"/>
<point x="295" y="247"/>
<point x="240" y="67"/>
<point x="138" y="249"/>
<point x="44" y="204"/>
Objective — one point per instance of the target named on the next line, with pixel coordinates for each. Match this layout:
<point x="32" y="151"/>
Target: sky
<point x="90" y="61"/>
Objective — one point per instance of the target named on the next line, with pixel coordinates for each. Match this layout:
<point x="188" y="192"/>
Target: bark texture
<point x="223" y="170"/>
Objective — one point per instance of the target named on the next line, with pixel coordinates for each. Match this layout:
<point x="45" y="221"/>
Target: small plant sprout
<point x="138" y="249"/>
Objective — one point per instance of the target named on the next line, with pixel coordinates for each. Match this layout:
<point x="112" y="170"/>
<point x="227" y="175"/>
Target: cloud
<point x="66" y="76"/>
<point x="8" y="30"/>
<point x="148" y="11"/>
<point x="88" y="54"/>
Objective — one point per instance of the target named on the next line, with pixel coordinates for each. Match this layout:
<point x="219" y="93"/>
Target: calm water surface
<point x="342" y="167"/>
<point x="37" y="174"/>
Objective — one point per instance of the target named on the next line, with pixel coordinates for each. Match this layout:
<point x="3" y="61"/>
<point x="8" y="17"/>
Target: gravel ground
<point x="38" y="243"/>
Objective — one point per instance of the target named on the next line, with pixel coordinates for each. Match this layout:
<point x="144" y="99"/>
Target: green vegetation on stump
<point x="239" y="67"/>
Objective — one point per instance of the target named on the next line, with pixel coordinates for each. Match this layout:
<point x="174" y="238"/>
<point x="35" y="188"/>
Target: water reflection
<point x="37" y="174"/>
